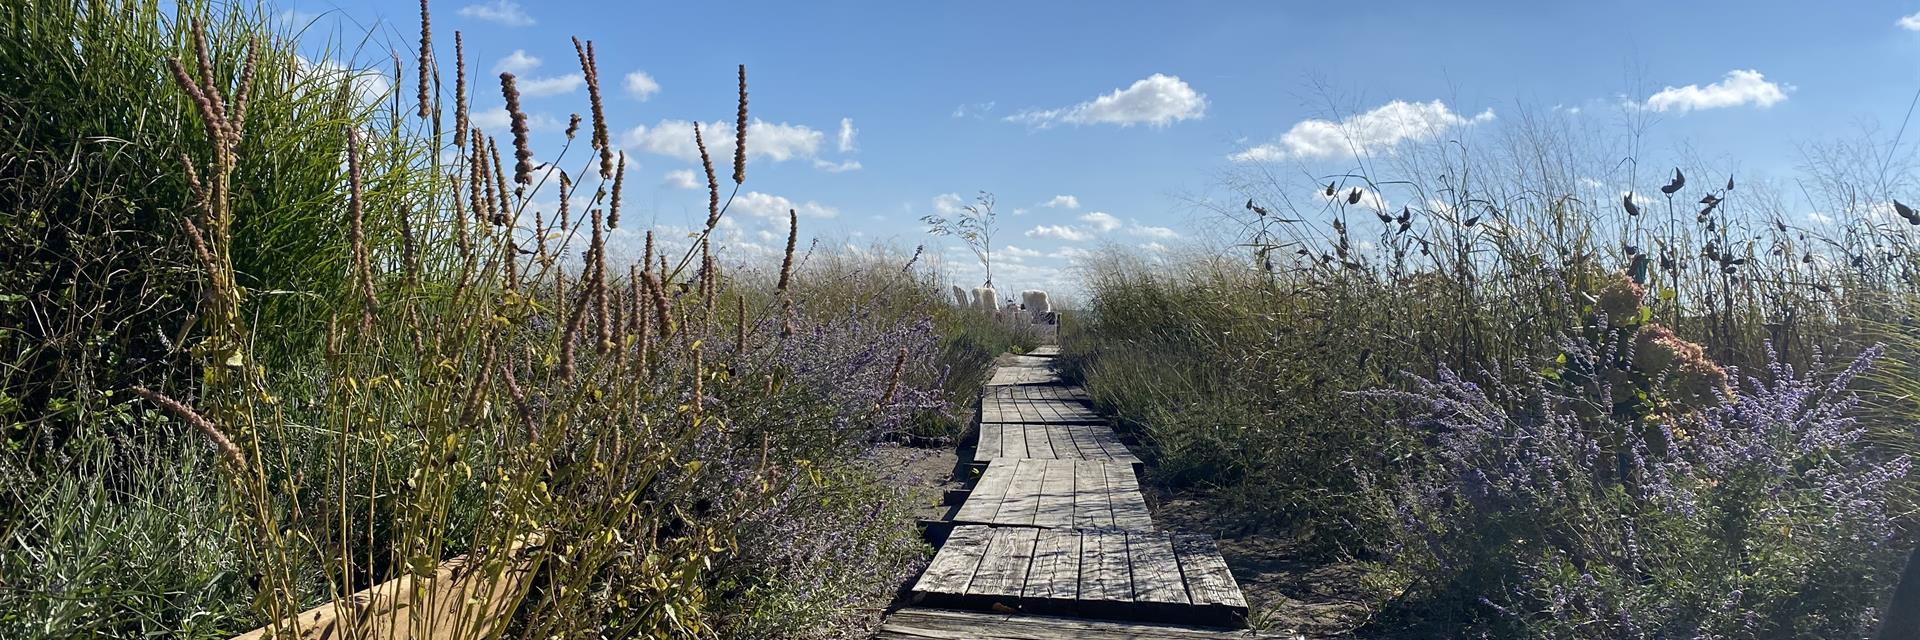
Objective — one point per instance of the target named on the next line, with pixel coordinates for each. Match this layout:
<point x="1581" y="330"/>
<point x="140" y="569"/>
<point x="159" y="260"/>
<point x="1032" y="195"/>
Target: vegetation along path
<point x="1054" y="539"/>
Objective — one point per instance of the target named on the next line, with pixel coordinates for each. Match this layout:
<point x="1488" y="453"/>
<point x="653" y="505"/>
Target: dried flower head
<point x="1620" y="299"/>
<point x="522" y="152"/>
<point x="740" y="132"/>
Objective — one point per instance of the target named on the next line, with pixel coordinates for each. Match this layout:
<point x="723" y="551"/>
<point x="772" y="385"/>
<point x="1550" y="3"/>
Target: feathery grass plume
<point x="237" y="124"/>
<point x="634" y="317"/>
<point x="598" y="267"/>
<point x="215" y="125"/>
<point x="619" y="181"/>
<point x="501" y="205"/>
<point x="426" y="57"/>
<point x="786" y="262"/>
<point x="479" y="188"/>
<point x="591" y="71"/>
<point x="199" y="244"/>
<point x="522" y="153"/>
<point x="787" y="318"/>
<point x="642" y="329"/>
<point x="460" y="123"/>
<point x="707" y="281"/>
<point x="740" y="327"/>
<point x="228" y="449"/>
<point x="462" y="234"/>
<point x="573" y="125"/>
<point x="740" y="133"/>
<point x="206" y="74"/>
<point x="519" y="398"/>
<point x="713" y="183"/>
<point x="566" y="191"/>
<point x="699" y="386"/>
<point x="662" y="308"/>
<point x="893" y="379"/>
<point x="646" y="259"/>
<point x="356" y="231"/>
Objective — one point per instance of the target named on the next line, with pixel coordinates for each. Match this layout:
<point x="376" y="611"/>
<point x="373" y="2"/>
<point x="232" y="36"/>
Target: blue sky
<point x="877" y="113"/>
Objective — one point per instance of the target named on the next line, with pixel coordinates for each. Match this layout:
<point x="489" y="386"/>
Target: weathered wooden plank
<point x="1092" y="506"/>
<point x="1105" y="573"/>
<point x="1003" y="572"/>
<point x="1129" y="507"/>
<point x="1039" y="442"/>
<point x="988" y="445"/>
<point x="1057" y="494"/>
<point x="1013" y="445"/>
<point x="984" y="501"/>
<point x="1023" y="495"/>
<point x="1055" y="573"/>
<point x="1208" y="580"/>
<point x="953" y="566"/>
<point x="1156" y="572"/>
<point x="941" y="624"/>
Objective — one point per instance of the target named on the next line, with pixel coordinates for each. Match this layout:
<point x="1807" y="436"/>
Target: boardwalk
<point x="1054" y="539"/>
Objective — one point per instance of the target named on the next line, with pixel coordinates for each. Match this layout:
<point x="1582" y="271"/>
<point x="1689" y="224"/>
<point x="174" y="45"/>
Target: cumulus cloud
<point x="517" y="63"/>
<point x="1102" y="221"/>
<point x="1740" y="87"/>
<point x="1909" y="22"/>
<point x="1157" y="100"/>
<point x="680" y="179"/>
<point x="506" y="12"/>
<point x="766" y="140"/>
<point x="975" y="110"/>
<point x="847" y="132"/>
<point x="551" y="85"/>
<point x="641" y="86"/>
<point x="1368" y="198"/>
<point x="1062" y="202"/>
<point x="1058" y="232"/>
<point x="763" y="205"/>
<point x="1379" y="130"/>
<point x="1018" y="252"/>
<point x="948" y="204"/>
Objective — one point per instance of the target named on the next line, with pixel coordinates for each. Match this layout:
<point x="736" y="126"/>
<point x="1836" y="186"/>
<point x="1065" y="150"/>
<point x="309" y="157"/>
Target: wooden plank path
<point x="1057" y="494"/>
<point x="1056" y="525"/>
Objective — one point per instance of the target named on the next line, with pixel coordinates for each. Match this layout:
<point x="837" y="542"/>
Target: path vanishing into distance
<point x="1054" y="539"/>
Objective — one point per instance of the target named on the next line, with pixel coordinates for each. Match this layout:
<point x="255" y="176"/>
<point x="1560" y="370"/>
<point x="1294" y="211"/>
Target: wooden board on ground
<point x="1037" y="392"/>
<point x="995" y="409"/>
<point x="1137" y="575"/>
<point x="1024" y="370"/>
<point x="1010" y="440"/>
<point x="1057" y="494"/>
<point x="946" y="624"/>
<point x="1045" y="351"/>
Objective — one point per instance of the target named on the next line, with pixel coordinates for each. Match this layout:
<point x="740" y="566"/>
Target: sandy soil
<point x="1285" y="592"/>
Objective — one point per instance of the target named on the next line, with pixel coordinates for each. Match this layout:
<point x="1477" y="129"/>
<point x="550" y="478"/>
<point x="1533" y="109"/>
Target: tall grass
<point x="1251" y="373"/>
<point x="272" y="358"/>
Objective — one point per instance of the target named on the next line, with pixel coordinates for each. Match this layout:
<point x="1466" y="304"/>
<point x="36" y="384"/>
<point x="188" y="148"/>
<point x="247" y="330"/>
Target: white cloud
<point x="1058" y="231"/>
<point x="847" y="132"/>
<point x="1062" y="202"/>
<point x="368" y="84"/>
<point x="1910" y="23"/>
<point x="499" y="121"/>
<point x="1154" y="247"/>
<point x="1163" y="233"/>
<point x="948" y="204"/>
<point x="775" y="142"/>
<point x="641" y="86"/>
<point x="975" y="110"/>
<point x="1739" y="87"/>
<point x="1019" y="252"/>
<point x="681" y="179"/>
<point x="762" y="205"/>
<point x="835" y="167"/>
<point x="1070" y="253"/>
<point x="1379" y="130"/>
<point x="505" y="12"/>
<point x="1102" y="221"/>
<point x="517" y="63"/>
<point x="551" y="85"/>
<point x="1821" y="218"/>
<point x="1157" y="100"/>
